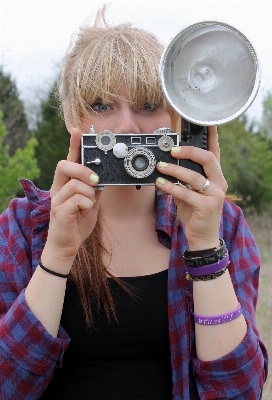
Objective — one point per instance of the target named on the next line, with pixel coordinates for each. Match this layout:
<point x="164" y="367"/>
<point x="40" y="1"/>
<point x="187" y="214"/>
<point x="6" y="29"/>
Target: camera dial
<point x="105" y="140"/>
<point x="165" y="143"/>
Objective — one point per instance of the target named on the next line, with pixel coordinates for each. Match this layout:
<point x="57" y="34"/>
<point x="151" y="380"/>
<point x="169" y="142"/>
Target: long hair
<point x="100" y="59"/>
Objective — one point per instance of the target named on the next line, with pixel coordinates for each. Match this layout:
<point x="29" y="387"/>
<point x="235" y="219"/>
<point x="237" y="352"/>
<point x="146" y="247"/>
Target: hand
<point x="199" y="211"/>
<point x="74" y="208"/>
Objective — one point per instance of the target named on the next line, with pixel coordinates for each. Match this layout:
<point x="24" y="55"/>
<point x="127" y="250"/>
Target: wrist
<point x="203" y="246"/>
<point x="56" y="262"/>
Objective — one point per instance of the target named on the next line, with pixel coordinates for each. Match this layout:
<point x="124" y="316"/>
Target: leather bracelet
<point x="209" y="269"/>
<point x="52" y="272"/>
<point x="218" y="319"/>
<point x="198" y="261"/>
<point x="202" y="253"/>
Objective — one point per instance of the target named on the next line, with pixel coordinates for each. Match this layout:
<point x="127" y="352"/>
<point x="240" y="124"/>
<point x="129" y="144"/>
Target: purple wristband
<point x="209" y="269"/>
<point x="218" y="319"/>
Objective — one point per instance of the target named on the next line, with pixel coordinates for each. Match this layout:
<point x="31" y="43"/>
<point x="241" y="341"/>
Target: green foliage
<point x="265" y="127"/>
<point x="22" y="164"/>
<point x="53" y="140"/>
<point x="13" y="114"/>
<point x="246" y="160"/>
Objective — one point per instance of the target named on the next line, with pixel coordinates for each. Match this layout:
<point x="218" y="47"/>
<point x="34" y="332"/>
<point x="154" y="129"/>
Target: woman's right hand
<point x="74" y="209"/>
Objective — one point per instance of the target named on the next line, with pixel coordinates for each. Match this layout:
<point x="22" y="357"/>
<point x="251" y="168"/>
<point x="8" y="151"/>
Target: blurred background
<point x="34" y="36"/>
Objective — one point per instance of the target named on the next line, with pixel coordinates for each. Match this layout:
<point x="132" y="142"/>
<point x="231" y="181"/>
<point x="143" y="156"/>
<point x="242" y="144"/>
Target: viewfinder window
<point x="136" y="140"/>
<point x="150" y="140"/>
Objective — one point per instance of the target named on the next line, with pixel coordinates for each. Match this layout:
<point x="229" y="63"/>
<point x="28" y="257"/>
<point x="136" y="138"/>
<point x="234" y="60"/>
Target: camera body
<point x="128" y="159"/>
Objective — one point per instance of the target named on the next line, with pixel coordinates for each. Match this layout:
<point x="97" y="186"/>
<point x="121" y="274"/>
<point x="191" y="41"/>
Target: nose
<point x="127" y="121"/>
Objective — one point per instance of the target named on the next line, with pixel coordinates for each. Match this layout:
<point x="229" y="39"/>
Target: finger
<point x="73" y="205"/>
<point x="74" y="186"/>
<point x="178" y="191"/>
<point x="213" y="144"/>
<point x="67" y="170"/>
<point x="206" y="158"/>
<point x="74" y="154"/>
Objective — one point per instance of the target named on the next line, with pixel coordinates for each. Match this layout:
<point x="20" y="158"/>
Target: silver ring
<point x="207" y="183"/>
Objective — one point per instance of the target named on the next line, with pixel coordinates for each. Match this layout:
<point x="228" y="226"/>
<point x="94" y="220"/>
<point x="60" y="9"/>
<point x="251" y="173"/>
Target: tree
<point x="265" y="127"/>
<point x="21" y="165"/>
<point x="13" y="114"/>
<point x="53" y="140"/>
<point x="246" y="160"/>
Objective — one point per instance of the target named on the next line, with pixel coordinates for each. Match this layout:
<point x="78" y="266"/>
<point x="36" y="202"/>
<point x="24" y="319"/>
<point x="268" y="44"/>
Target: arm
<point x="248" y="361"/>
<point x="72" y="218"/>
<point x="200" y="214"/>
<point x="28" y="353"/>
<point x="32" y="343"/>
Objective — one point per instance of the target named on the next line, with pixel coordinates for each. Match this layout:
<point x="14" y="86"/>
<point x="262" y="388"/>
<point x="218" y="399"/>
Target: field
<point x="261" y="228"/>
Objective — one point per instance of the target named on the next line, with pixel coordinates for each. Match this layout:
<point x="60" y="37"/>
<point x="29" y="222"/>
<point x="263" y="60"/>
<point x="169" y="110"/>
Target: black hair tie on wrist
<point x="52" y="272"/>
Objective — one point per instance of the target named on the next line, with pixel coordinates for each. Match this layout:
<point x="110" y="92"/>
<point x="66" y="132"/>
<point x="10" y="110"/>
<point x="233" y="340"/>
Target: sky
<point x="35" y="34"/>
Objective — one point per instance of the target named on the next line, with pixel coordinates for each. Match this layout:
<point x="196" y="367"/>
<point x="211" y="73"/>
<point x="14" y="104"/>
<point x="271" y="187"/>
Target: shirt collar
<point x="39" y="202"/>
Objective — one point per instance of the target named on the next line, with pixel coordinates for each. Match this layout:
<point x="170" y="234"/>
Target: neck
<point x="122" y="202"/>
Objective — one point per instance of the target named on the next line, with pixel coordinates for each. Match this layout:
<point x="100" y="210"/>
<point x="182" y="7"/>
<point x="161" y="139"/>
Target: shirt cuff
<point x="240" y="371"/>
<point x="24" y="340"/>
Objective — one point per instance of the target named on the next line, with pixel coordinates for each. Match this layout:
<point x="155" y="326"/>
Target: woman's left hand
<point x="198" y="210"/>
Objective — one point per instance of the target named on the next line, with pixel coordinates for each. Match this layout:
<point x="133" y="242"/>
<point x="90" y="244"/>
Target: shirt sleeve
<point x="28" y="353"/>
<point x="240" y="374"/>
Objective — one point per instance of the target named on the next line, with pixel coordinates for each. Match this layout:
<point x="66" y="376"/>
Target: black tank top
<point x="125" y="360"/>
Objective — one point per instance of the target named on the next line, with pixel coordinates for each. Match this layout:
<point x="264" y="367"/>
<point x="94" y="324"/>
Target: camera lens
<point x="140" y="162"/>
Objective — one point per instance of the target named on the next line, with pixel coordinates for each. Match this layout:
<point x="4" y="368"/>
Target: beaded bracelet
<point x="212" y="257"/>
<point x="218" y="319"/>
<point x="206" y="277"/>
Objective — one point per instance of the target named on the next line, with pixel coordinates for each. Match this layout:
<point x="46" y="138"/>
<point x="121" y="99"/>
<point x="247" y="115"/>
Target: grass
<point x="261" y="227"/>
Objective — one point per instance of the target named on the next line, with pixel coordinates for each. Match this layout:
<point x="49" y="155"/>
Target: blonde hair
<point x="103" y="57"/>
<point x="100" y="59"/>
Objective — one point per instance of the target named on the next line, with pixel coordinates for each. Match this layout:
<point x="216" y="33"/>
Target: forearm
<point x="211" y="298"/>
<point x="45" y="296"/>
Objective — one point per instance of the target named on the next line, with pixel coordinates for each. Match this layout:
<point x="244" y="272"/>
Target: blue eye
<point x="100" y="107"/>
<point x="150" y="107"/>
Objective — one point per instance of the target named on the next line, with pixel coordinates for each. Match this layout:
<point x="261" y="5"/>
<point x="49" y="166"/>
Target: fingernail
<point x="94" y="201"/>
<point x="94" y="178"/>
<point x="161" y="181"/>
<point x="176" y="150"/>
<point x="162" y="164"/>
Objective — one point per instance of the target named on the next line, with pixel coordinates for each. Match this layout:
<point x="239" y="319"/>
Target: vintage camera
<point x="128" y="159"/>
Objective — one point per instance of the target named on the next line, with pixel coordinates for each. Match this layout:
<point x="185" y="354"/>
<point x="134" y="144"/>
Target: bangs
<point x="113" y="61"/>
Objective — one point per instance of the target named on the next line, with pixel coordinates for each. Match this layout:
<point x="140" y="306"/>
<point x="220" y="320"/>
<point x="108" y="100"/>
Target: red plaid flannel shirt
<point x="29" y="354"/>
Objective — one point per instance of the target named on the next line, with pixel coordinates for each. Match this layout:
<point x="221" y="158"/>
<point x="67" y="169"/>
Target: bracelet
<point x="209" y="269"/>
<point x="217" y="255"/>
<point x="218" y="319"/>
<point x="206" y="277"/>
<point x="52" y="272"/>
<point x="202" y="253"/>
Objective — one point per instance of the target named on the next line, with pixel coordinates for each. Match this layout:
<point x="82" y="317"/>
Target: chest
<point x="135" y="251"/>
<point x="111" y="358"/>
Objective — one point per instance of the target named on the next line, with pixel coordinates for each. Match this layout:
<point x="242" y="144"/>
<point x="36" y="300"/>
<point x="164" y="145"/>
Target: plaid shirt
<point x="29" y="354"/>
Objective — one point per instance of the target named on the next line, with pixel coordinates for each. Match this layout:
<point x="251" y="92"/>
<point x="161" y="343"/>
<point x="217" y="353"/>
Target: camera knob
<point x="120" y="150"/>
